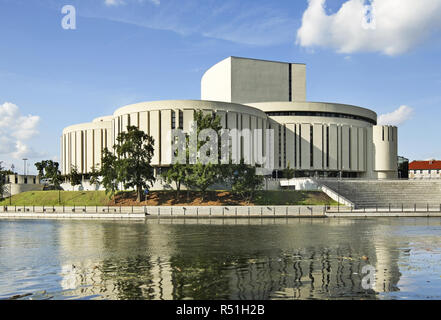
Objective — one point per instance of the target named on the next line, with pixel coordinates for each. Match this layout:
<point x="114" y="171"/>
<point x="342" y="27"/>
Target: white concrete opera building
<point x="315" y="138"/>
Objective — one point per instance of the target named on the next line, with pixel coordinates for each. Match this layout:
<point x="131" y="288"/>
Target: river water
<point x="221" y="259"/>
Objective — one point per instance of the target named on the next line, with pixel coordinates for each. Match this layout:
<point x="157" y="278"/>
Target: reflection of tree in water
<point x="301" y="275"/>
<point x="130" y="275"/>
<point x="200" y="277"/>
<point x="177" y="262"/>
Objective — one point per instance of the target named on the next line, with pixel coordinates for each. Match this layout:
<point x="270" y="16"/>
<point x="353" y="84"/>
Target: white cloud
<point x="15" y="130"/>
<point x="113" y="3"/>
<point x="116" y="3"/>
<point x="397" y="25"/>
<point x="397" y="117"/>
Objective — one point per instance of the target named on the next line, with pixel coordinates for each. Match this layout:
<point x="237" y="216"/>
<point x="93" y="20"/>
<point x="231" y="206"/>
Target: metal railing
<point x="392" y="208"/>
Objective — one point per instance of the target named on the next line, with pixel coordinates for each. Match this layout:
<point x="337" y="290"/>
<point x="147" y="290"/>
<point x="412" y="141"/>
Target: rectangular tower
<point x="242" y="80"/>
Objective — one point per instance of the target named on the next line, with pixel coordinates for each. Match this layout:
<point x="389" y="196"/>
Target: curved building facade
<point x="315" y="138"/>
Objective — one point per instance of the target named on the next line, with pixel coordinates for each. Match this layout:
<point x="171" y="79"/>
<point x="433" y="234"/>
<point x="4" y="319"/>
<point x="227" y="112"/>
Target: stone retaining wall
<point x="164" y="212"/>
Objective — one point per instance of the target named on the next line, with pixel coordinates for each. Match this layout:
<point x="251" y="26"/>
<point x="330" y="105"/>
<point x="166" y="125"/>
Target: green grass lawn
<point x="50" y="198"/>
<point x="99" y="198"/>
<point x="280" y="197"/>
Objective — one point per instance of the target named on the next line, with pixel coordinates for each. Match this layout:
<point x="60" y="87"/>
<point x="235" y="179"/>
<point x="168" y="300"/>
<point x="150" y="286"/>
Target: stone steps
<point x="382" y="193"/>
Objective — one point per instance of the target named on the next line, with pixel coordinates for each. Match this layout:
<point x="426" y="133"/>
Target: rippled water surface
<point x="220" y="259"/>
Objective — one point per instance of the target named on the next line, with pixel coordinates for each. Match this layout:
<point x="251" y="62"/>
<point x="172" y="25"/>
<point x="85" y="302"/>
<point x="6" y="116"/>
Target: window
<point x="349" y="148"/>
<point x="284" y="146"/>
<point x="327" y="147"/>
<point x="300" y="146"/>
<point x="295" y="145"/>
<point x="181" y="120"/>
<point x="173" y="120"/>
<point x="280" y="146"/>
<point x="290" y="82"/>
<point x="319" y="114"/>
<point x="311" y="145"/>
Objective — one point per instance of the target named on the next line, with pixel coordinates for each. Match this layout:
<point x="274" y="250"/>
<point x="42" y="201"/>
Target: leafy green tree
<point x="245" y="182"/>
<point x="53" y="173"/>
<point x="49" y="169"/>
<point x="74" y="176"/>
<point x="289" y="172"/>
<point x="2" y="181"/>
<point x="135" y="151"/>
<point x="95" y="176"/>
<point x="176" y="174"/>
<point x="40" y="167"/>
<point x="201" y="176"/>
<point x="109" y="172"/>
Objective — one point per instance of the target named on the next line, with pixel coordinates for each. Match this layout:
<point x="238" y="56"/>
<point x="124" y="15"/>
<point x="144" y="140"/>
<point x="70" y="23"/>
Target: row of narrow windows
<point x="390" y="133"/>
<point x="282" y="157"/>
<point x="298" y="146"/>
<point x="25" y="180"/>
<point x="319" y="114"/>
<point x="82" y="156"/>
<point x="428" y="171"/>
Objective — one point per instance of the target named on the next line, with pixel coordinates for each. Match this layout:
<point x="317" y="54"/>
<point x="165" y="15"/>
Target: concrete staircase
<point x="382" y="193"/>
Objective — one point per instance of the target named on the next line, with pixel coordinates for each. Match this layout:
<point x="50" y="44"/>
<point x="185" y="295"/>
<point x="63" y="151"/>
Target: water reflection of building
<point x="177" y="261"/>
<point x="124" y="268"/>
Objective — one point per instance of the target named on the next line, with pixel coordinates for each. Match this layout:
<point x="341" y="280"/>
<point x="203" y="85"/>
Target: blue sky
<point x="127" y="51"/>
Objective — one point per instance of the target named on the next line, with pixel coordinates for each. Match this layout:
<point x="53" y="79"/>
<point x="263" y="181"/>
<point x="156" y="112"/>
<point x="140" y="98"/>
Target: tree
<point x="201" y="176"/>
<point x="40" y="167"/>
<point x="135" y="152"/>
<point x="53" y="173"/>
<point x="2" y="181"/>
<point x="109" y="172"/>
<point x="48" y="169"/>
<point x="176" y="174"/>
<point x="245" y="182"/>
<point x="74" y="176"/>
<point x="94" y="176"/>
<point x="288" y="172"/>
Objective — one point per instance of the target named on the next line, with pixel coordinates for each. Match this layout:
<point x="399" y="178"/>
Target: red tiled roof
<point x="425" y="165"/>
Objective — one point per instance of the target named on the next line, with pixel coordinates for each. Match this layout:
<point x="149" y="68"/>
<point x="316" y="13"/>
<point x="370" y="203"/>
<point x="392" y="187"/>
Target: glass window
<point x="173" y="120"/>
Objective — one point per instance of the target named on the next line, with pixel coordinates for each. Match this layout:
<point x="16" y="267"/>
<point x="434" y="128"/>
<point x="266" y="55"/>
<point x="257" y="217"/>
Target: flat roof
<point x="263" y="60"/>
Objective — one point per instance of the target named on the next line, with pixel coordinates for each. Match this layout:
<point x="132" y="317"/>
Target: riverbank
<point x="102" y="212"/>
<point x="166" y="198"/>
<point x="182" y="212"/>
